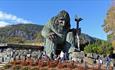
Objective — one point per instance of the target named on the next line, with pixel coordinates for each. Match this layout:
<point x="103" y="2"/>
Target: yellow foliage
<point x="113" y="44"/>
<point x="40" y="43"/>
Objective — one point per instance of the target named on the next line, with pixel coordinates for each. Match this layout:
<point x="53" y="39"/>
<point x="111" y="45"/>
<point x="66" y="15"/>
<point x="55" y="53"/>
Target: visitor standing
<point x="108" y="60"/>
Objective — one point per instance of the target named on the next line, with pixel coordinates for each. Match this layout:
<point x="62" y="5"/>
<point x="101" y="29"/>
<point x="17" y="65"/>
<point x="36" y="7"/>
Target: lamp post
<point x="78" y="31"/>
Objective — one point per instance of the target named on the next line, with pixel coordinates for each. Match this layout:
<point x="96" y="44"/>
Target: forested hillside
<point x="20" y="33"/>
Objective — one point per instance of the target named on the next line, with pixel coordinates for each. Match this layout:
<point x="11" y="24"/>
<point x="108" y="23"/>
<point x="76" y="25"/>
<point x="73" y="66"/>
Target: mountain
<point x="28" y="33"/>
<point x="20" y="33"/>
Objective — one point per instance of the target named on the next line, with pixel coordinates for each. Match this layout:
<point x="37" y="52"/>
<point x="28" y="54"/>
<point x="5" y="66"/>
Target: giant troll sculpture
<point x="58" y="36"/>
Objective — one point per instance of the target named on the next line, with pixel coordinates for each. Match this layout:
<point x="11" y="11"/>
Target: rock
<point x="17" y="57"/>
<point x="89" y="55"/>
<point x="1" y="59"/>
<point x="95" y="56"/>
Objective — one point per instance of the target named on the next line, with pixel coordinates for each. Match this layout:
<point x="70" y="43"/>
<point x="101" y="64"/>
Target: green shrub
<point x="101" y="47"/>
<point x="17" y="68"/>
<point x="26" y="68"/>
<point x="35" y="68"/>
<point x="7" y="66"/>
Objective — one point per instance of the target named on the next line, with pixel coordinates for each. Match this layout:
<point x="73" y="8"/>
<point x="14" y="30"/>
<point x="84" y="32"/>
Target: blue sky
<point x="40" y="11"/>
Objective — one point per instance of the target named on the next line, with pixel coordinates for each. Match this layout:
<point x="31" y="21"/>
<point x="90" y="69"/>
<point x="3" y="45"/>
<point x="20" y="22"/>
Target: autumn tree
<point x="109" y="25"/>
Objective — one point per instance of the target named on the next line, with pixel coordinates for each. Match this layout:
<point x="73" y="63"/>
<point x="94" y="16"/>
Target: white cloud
<point x="3" y="23"/>
<point x="4" y="17"/>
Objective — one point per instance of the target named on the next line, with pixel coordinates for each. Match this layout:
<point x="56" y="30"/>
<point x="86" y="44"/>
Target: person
<point x="85" y="62"/>
<point x="114" y="65"/>
<point x="44" y="56"/>
<point x="108" y="60"/>
<point x="62" y="56"/>
<point x="57" y="35"/>
<point x="100" y="63"/>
